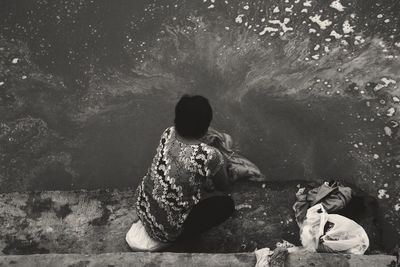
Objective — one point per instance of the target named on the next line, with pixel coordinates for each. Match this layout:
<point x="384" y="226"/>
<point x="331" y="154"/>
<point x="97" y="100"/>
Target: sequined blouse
<point x="173" y="184"/>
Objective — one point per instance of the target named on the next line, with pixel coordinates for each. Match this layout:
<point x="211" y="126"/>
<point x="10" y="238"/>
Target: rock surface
<point x="308" y="89"/>
<point x="97" y="221"/>
<point x="198" y="260"/>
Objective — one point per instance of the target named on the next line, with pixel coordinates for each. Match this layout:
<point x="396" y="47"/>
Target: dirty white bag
<point x="139" y="240"/>
<point x="325" y="232"/>
<point x="263" y="257"/>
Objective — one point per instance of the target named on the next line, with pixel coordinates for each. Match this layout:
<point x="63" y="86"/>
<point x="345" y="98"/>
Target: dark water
<point x="308" y="90"/>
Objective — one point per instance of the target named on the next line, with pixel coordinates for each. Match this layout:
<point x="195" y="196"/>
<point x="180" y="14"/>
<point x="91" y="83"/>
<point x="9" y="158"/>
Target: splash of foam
<point x="335" y="34"/>
<point x="323" y="24"/>
<point x="268" y="29"/>
<point x="239" y="18"/>
<point x="337" y="5"/>
<point x="386" y="83"/>
<point x="347" y="28"/>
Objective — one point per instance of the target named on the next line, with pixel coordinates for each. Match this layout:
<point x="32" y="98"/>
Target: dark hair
<point x="193" y="115"/>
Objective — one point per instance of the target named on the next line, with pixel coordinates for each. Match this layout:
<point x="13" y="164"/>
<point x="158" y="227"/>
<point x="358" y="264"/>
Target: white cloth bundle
<point x="139" y="240"/>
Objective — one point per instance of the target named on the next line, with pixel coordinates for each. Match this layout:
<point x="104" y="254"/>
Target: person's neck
<point x="188" y="141"/>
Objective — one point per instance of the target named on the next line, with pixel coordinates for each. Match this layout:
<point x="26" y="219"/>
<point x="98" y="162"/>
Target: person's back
<point x="169" y="200"/>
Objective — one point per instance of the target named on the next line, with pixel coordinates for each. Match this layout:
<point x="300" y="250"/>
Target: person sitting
<point x="170" y="201"/>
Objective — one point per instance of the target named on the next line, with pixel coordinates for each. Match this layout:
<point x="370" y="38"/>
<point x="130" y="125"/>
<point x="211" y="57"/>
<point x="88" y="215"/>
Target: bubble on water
<point x="15" y="60"/>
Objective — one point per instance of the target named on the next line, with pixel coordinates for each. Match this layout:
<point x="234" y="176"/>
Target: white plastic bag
<point x="340" y="235"/>
<point x="139" y="240"/>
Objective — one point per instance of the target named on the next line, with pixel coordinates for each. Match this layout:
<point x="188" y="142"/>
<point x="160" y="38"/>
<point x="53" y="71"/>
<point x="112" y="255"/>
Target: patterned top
<point x="173" y="185"/>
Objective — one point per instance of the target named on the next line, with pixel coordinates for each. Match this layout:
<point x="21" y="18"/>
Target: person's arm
<point x="221" y="178"/>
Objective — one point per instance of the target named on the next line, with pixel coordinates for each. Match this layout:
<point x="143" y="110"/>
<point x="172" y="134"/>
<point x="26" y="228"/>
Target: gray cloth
<point x="238" y="167"/>
<point x="332" y="197"/>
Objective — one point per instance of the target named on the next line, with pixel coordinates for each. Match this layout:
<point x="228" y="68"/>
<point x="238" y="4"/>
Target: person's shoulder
<point x="209" y="149"/>
<point x="214" y="156"/>
<point x="168" y="131"/>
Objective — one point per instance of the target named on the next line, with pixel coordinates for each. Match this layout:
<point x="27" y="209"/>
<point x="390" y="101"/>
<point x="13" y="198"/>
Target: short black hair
<point x="193" y="115"/>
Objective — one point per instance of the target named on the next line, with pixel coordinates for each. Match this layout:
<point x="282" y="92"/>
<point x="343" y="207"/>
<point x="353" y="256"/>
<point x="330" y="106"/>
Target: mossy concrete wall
<point x="97" y="221"/>
<point x="197" y="259"/>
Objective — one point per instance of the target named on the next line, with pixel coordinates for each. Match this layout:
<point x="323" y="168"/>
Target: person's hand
<point x="300" y="191"/>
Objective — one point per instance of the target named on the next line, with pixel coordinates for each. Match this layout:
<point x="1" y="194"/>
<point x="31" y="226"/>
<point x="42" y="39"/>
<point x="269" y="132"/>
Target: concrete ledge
<point x="92" y="222"/>
<point x="191" y="259"/>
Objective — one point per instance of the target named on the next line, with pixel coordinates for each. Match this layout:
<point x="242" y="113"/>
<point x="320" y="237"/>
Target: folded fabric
<point x="238" y="167"/>
<point x="333" y="197"/>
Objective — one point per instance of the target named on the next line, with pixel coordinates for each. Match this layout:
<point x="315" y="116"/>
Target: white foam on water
<point x="307" y="3"/>
<point x="289" y="9"/>
<point x="267" y="29"/>
<point x="390" y="112"/>
<point x="359" y="40"/>
<point x="347" y="28"/>
<point x="337" y="5"/>
<point x="382" y="193"/>
<point x="323" y="24"/>
<point x="283" y="24"/>
<point x="386" y="83"/>
<point x="388" y="130"/>
<point x="15" y="60"/>
<point x="335" y="34"/>
<point x="316" y="57"/>
<point x="239" y="18"/>
<point x="276" y="10"/>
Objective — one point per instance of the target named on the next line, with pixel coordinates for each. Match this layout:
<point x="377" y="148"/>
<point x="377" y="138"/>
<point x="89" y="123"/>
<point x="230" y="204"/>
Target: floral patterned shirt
<point x="173" y="185"/>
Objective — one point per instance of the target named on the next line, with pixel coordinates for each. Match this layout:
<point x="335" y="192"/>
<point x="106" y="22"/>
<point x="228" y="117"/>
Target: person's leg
<point x="206" y="214"/>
